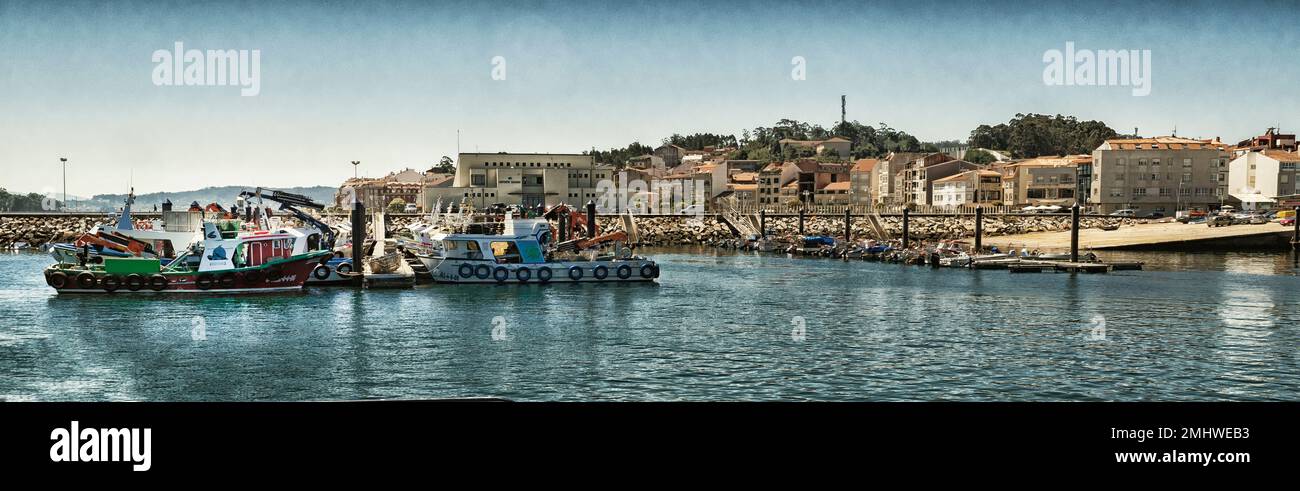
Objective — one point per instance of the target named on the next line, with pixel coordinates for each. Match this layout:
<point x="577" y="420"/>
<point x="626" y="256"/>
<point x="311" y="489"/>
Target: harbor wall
<point x="40" y="229"/>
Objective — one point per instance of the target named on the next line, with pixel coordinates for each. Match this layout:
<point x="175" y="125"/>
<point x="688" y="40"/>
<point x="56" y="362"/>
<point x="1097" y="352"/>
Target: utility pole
<point x="843" y="110"/>
<point x="64" y="160"/>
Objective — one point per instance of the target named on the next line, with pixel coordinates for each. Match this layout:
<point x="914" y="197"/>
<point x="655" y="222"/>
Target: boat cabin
<point x="499" y="249"/>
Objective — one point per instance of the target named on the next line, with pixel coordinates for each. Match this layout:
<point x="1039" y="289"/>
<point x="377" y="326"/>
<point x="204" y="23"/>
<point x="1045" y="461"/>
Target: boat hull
<point x="446" y="270"/>
<point x="279" y="277"/>
<point x="329" y="273"/>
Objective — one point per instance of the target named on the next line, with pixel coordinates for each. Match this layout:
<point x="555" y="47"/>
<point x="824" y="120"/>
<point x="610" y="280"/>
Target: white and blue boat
<point x="525" y="253"/>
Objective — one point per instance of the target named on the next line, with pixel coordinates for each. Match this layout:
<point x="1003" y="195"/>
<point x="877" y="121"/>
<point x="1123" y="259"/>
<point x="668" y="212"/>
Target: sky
<point x="389" y="84"/>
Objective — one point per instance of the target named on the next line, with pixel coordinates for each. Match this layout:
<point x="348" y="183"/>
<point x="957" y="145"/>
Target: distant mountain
<point x="223" y="195"/>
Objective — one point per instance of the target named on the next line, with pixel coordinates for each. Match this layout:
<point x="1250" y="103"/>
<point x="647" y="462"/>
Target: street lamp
<point x="355" y="163"/>
<point x="64" y="160"/>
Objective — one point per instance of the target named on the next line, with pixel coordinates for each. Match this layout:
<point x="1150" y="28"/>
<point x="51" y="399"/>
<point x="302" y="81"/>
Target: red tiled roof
<point x="864" y="165"/>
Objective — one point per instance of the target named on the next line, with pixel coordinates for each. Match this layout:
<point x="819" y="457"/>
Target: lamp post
<point x="355" y="163"/>
<point x="64" y="161"/>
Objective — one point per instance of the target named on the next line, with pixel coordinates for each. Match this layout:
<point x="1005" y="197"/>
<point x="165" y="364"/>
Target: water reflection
<point x="717" y="326"/>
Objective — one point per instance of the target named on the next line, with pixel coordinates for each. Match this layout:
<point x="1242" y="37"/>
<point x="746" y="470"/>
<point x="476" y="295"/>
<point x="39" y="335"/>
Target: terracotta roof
<point x="864" y="165"/>
<point x="1282" y="156"/>
<point x="744" y="176"/>
<point x="743" y="187"/>
<point x="1046" y="161"/>
<point x="437" y="180"/>
<point x="837" y="186"/>
<point x="1162" y="143"/>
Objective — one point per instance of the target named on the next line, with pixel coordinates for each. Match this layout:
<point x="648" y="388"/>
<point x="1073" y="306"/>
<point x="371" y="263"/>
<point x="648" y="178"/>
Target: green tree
<point x="1034" y="135"/>
<point x="397" y="205"/>
<point x="977" y="156"/>
<point x="445" y="166"/>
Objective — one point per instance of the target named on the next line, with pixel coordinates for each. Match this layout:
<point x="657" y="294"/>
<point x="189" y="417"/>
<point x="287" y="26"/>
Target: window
<point x="478" y="180"/>
<point x="505" y="252"/>
<point x="1187" y="163"/>
<point x="1187" y="177"/>
<point x="1139" y="192"/>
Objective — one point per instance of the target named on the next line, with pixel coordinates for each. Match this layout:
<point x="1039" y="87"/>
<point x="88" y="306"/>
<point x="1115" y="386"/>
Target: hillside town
<point x="1143" y="176"/>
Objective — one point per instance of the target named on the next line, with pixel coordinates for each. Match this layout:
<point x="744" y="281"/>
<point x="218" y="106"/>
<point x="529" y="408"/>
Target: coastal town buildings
<point x="527" y="179"/>
<point x="1258" y="177"/>
<point x="1161" y="174"/>
<point x="887" y="173"/>
<point x="377" y="194"/>
<point x="1272" y="139"/>
<point x="1082" y="178"/>
<point x="1041" y="181"/>
<point x="834" y="146"/>
<point x="769" y="184"/>
<point x="430" y="188"/>
<point x="861" y="180"/>
<point x="670" y="154"/>
<point x="980" y="186"/>
<point x="921" y="172"/>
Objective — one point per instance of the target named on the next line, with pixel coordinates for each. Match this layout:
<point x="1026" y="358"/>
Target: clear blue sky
<point x="389" y="83"/>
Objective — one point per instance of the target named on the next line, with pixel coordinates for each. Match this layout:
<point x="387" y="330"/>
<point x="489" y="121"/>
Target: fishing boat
<point x="525" y="253"/>
<point x="254" y="262"/>
<point x="385" y="266"/>
<point x="182" y="230"/>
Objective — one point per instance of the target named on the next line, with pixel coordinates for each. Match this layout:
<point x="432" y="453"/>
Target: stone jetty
<point x="38" y="230"/>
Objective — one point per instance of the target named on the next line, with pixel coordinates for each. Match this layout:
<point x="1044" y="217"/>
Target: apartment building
<point x="1041" y="181"/>
<point x="1162" y="174"/>
<point x="923" y="171"/>
<point x="1256" y="178"/>
<point x="527" y="179"/>
<point x="861" y="180"/>
<point x="982" y="186"/>
<point x="887" y="174"/>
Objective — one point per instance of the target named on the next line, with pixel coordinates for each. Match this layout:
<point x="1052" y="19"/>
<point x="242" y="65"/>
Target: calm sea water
<point x="718" y="326"/>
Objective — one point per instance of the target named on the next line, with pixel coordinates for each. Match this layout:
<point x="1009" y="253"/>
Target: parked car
<point x="1219" y="220"/>
<point x="411" y="208"/>
<point x="1127" y="212"/>
<point x="1154" y="214"/>
<point x="1188" y="216"/>
<point x="1287" y="222"/>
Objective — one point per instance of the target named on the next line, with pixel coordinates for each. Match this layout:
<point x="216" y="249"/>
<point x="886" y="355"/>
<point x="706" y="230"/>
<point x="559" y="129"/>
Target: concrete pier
<point x="1153" y="236"/>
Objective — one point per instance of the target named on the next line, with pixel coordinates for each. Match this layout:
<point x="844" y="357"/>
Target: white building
<point x="1257" y="177"/>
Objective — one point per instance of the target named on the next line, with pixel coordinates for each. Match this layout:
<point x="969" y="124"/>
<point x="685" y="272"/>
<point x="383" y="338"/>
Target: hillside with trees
<point x="1034" y="135"/>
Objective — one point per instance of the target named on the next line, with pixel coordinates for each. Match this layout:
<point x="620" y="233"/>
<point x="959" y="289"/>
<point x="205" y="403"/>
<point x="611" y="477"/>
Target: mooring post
<point x="358" y="241"/>
<point x="905" y="238"/>
<point x="848" y="226"/>
<point x="1074" y="233"/>
<point x="800" y="220"/>
<point x="979" y="228"/>
<point x="563" y="225"/>
<point x="1295" y="221"/>
<point x="591" y="219"/>
<point x="762" y="223"/>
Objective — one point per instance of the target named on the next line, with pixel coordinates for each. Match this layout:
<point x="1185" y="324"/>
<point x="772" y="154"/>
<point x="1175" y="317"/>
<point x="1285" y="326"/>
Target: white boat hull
<point x="449" y="270"/>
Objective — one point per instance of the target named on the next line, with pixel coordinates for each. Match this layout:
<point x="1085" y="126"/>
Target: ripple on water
<point x="718" y="326"/>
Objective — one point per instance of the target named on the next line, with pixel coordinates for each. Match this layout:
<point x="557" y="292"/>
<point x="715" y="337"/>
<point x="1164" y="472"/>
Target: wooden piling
<point x="1074" y="233"/>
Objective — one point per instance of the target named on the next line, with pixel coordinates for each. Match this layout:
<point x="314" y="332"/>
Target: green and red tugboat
<point x="224" y="262"/>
